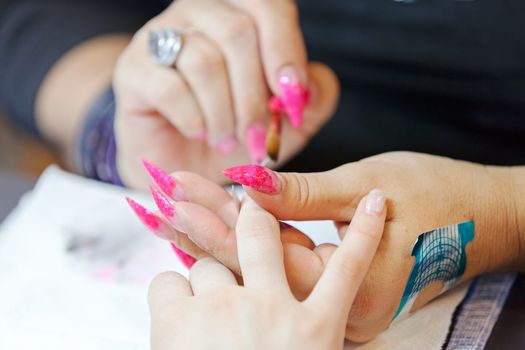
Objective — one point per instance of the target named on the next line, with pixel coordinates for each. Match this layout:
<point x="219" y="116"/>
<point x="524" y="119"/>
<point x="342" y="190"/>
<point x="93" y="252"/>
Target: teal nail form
<point x="440" y="256"/>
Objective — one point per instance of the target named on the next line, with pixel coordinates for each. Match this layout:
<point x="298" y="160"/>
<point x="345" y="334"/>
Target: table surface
<point x="508" y="333"/>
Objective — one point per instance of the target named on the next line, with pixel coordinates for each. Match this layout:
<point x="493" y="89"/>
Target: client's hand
<point x="212" y="311"/>
<point x="425" y="193"/>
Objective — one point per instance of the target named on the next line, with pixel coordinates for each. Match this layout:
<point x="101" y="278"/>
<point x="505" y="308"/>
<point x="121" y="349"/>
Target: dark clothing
<point x="444" y="77"/>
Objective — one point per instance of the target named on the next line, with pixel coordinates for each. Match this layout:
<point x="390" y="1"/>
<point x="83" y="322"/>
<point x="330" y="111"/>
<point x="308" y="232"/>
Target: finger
<point x="203" y="68"/>
<point x="341" y="228"/>
<point x="208" y="194"/>
<point x="235" y="33"/>
<point x="191" y="187"/>
<point x="290" y="234"/>
<point x="260" y="249"/>
<point x="164" y="230"/>
<point x="163" y="90"/>
<point x="167" y="289"/>
<point x="207" y="230"/>
<point x="350" y="262"/>
<point x="332" y="195"/>
<point x="208" y="276"/>
<point x="281" y="41"/>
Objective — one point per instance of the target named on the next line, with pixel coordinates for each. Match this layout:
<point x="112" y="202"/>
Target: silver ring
<point x="165" y="45"/>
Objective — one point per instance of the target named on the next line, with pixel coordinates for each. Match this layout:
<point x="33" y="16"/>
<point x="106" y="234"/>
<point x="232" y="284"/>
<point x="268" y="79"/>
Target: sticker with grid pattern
<point x="439" y="256"/>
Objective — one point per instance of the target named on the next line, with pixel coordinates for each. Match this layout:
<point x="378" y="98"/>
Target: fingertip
<point x="166" y="285"/>
<point x="375" y="202"/>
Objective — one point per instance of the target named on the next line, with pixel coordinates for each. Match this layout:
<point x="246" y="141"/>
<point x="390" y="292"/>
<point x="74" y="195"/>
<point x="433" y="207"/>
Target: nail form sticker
<point x="439" y="256"/>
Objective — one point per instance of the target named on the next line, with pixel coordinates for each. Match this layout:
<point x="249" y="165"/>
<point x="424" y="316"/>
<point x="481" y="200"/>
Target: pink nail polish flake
<point x="256" y="142"/>
<point x="254" y="176"/>
<point x="150" y="220"/>
<point x="294" y="98"/>
<point x="164" y="205"/>
<point x="161" y="178"/>
<point x="186" y="259"/>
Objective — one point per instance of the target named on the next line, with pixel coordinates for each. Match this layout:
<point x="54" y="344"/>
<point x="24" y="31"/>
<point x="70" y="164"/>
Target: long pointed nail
<point x="165" y="181"/>
<point x="164" y="205"/>
<point x="256" y="177"/>
<point x="184" y="258"/>
<point x="293" y="94"/>
<point x="150" y="220"/>
<point x="256" y="142"/>
<point x="227" y="145"/>
<point x="166" y="208"/>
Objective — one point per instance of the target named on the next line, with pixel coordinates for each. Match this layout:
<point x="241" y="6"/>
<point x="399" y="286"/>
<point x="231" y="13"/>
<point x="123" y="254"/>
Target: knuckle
<point x="303" y="189"/>
<point x="204" y="62"/>
<point x="306" y="190"/>
<point x="202" y="265"/>
<point x="167" y="90"/>
<point x="241" y="27"/>
<point x="162" y="282"/>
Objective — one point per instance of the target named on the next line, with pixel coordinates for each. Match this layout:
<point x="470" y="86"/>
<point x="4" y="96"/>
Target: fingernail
<point x="166" y="208"/>
<point x="375" y="202"/>
<point x="164" y="205"/>
<point x="256" y="142"/>
<point x="184" y="258"/>
<point x="150" y="220"/>
<point x="254" y="176"/>
<point x="165" y="181"/>
<point x="294" y="95"/>
<point x="227" y="145"/>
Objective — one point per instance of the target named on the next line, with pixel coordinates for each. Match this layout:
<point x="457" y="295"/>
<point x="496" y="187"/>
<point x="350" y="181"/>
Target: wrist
<point x="497" y="242"/>
<point x="517" y="177"/>
<point x="96" y="147"/>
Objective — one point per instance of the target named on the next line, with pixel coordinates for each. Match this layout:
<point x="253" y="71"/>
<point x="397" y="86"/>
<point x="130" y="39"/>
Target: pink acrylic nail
<point x="294" y="95"/>
<point x="165" y="181"/>
<point x="227" y="145"/>
<point x="256" y="142"/>
<point x="184" y="258"/>
<point x="150" y="220"/>
<point x="164" y="205"/>
<point x="254" y="176"/>
<point x="275" y="104"/>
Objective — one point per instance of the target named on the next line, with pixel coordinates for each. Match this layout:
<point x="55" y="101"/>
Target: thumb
<point x="330" y="195"/>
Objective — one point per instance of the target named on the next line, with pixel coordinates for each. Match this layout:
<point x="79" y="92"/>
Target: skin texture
<point x="424" y="192"/>
<point x="263" y="314"/>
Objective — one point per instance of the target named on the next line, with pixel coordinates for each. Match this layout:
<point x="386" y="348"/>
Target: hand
<point x="425" y="192"/>
<point x="263" y="314"/>
<point x="192" y="117"/>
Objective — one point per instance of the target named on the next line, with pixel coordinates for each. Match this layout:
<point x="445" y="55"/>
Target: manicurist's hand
<point x="209" y="110"/>
<point x="424" y="192"/>
<point x="212" y="311"/>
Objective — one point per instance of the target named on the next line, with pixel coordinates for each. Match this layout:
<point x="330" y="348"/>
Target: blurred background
<point x="20" y="152"/>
